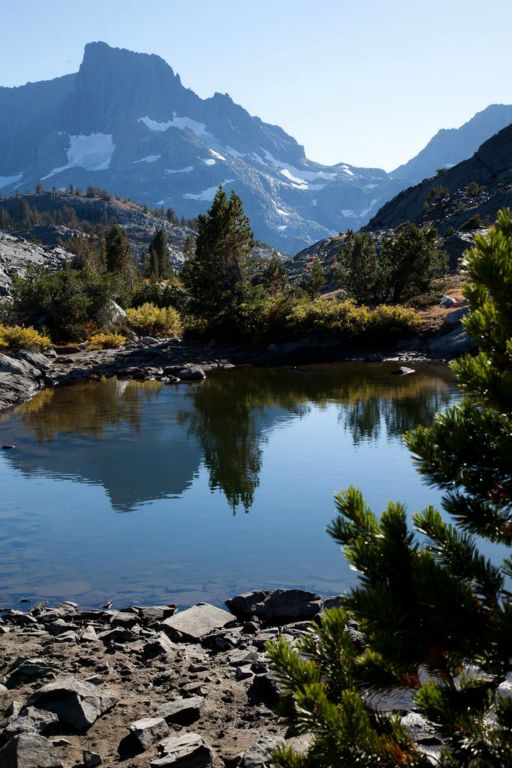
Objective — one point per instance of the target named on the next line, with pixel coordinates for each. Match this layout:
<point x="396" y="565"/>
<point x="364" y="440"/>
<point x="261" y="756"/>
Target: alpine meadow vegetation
<point x="431" y="613"/>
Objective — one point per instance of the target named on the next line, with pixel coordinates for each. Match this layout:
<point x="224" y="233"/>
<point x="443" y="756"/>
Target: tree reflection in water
<point x="223" y="423"/>
<point x="233" y="412"/>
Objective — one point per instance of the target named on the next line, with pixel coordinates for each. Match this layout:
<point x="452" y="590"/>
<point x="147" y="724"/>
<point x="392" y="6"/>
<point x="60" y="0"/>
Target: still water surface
<point x="143" y="492"/>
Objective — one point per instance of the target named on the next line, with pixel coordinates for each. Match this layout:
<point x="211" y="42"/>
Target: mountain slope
<point x="450" y="146"/>
<point x="126" y="123"/>
<point x="457" y="198"/>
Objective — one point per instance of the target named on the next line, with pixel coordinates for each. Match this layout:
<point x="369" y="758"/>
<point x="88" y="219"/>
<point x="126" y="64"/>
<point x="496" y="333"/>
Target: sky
<point x="366" y="83"/>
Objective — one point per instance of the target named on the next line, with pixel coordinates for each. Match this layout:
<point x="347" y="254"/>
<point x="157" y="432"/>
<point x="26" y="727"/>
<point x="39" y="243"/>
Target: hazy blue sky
<point x="366" y="83"/>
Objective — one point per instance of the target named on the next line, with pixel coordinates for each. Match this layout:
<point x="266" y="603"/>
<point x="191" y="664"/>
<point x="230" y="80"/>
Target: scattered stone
<point x="158" y="646"/>
<point x="148" y="731"/>
<point x="196" y="622"/>
<point x="183" y="711"/>
<point x="91" y="759"/>
<point x="89" y="635"/>
<point x="264" y="689"/>
<point x="260" y="754"/>
<point x="30" y="720"/>
<point x="29" y="750"/>
<point x="242" y="673"/>
<point x="29" y="669"/>
<point x="76" y="703"/>
<point x="187" y="751"/>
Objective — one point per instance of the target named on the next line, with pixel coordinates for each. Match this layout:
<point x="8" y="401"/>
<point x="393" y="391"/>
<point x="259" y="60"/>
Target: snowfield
<point x="93" y="152"/>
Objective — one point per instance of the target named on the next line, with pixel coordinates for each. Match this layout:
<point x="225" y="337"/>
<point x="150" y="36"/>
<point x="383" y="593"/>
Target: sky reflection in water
<point x="141" y="492"/>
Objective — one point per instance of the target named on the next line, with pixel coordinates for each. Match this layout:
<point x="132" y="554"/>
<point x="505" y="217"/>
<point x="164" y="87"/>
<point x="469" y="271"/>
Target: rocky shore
<point x="149" y="686"/>
<point x="25" y="373"/>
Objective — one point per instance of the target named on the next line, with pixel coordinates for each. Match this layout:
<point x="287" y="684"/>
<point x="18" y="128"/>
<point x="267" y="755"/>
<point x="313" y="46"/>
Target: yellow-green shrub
<point x="15" y="337"/>
<point x="150" y="320"/>
<point x="106" y="341"/>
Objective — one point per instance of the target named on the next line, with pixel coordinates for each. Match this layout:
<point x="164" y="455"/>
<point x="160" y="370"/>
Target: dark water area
<point x="141" y="492"/>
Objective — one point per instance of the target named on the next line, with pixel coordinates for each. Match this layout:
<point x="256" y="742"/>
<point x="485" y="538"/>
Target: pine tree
<point x="411" y="259"/>
<point x="315" y="279"/>
<point x="118" y="252"/>
<point x="435" y="613"/>
<point x="159" y="255"/>
<point x="273" y="276"/>
<point x="360" y="271"/>
<point x="218" y="267"/>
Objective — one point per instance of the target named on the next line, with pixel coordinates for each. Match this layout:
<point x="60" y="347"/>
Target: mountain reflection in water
<point x="182" y="459"/>
<point x="144" y="441"/>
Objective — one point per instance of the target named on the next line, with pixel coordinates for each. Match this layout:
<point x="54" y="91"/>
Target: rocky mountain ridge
<point x="126" y="123"/>
<point x="464" y="197"/>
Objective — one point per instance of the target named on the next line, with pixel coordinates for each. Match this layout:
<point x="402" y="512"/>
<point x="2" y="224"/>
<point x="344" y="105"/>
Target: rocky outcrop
<point x="18" y="255"/>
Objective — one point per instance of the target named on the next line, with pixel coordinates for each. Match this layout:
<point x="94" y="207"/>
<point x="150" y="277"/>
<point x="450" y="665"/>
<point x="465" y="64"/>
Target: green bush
<point x="150" y="320"/>
<point x="71" y="304"/>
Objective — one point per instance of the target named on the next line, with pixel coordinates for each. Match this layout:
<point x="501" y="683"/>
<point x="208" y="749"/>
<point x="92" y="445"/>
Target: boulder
<point x="285" y="605"/>
<point x="452" y="344"/>
<point x="187" y="751"/>
<point x="196" y="622"/>
<point x="148" y="731"/>
<point x="76" y="703"/>
<point x="245" y="605"/>
<point x="182" y="711"/>
<point x="29" y="720"/>
<point x="29" y="750"/>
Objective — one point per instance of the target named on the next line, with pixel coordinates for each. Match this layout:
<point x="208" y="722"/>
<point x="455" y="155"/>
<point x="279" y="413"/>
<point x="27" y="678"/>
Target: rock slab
<point x="196" y="622"/>
<point x="75" y="702"/>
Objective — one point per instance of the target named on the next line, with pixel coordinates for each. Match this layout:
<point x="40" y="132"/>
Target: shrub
<point x="71" y="303"/>
<point x="106" y="341"/>
<point x="150" y="320"/>
<point x="475" y="222"/>
<point x="16" y="337"/>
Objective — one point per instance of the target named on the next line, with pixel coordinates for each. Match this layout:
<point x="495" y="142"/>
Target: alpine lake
<point x="139" y="492"/>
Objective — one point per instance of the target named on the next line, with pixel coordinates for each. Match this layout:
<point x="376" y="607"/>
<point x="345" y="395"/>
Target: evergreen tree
<point x="360" y="271"/>
<point x="159" y="255"/>
<point x="315" y="279"/>
<point x="118" y="252"/>
<point x="273" y="276"/>
<point x="218" y="268"/>
<point x="411" y="259"/>
<point x="435" y="613"/>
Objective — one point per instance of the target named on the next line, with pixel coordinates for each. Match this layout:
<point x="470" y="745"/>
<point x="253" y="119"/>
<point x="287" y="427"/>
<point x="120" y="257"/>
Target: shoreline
<point x="24" y="374"/>
<point x="127" y="685"/>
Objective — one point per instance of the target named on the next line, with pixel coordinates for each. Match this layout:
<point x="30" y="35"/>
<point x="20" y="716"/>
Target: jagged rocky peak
<point x="126" y="123"/>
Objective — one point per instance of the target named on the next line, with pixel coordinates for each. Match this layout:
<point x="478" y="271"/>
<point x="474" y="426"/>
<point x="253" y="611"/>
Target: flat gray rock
<point x="187" y="751"/>
<point x="260" y="754"/>
<point x="76" y="703"/>
<point x="182" y="711"/>
<point x="196" y="622"/>
<point x="29" y="750"/>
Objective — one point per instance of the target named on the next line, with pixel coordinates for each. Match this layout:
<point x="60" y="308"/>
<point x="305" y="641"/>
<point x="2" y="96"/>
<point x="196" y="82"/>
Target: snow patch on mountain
<point x="182" y="123"/>
<point x="187" y="169"/>
<point x="93" y="152"/>
<point x="207" y="194"/>
<point x="5" y="181"/>
<point x="148" y="159"/>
